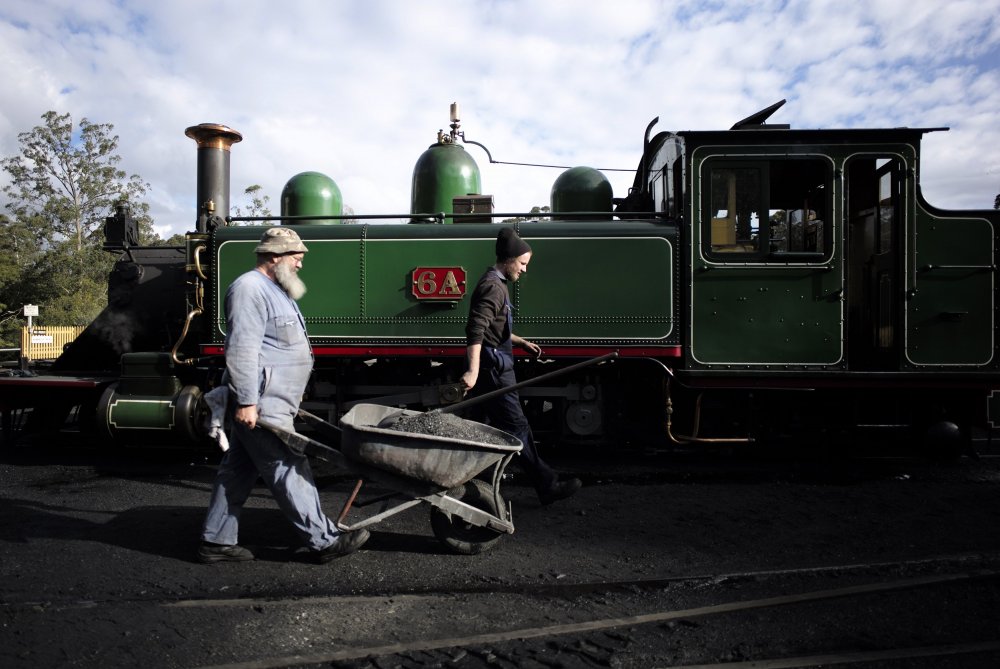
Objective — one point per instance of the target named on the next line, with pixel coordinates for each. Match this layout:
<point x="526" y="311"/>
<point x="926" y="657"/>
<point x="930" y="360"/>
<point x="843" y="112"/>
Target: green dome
<point x="311" y="194"/>
<point x="443" y="172"/>
<point x="581" y="189"/>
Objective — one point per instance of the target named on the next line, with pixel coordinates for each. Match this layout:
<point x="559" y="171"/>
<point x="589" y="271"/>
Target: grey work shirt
<point x="268" y="356"/>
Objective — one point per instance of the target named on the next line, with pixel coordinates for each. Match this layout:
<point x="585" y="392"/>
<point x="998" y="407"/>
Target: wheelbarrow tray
<point x="441" y="460"/>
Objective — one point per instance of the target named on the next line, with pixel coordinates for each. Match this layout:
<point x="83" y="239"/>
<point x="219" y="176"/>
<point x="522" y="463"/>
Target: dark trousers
<point x="505" y="413"/>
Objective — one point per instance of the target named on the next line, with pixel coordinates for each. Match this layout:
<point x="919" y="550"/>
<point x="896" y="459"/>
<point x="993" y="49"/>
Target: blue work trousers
<point x="258" y="452"/>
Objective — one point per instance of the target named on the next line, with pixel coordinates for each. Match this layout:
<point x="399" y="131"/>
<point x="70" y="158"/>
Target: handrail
<point x="187" y="324"/>
<point x="441" y="216"/>
<point x="928" y="268"/>
<point x="197" y="261"/>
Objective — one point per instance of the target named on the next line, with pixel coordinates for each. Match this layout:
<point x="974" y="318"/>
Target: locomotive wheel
<point x="458" y="535"/>
<point x="944" y="442"/>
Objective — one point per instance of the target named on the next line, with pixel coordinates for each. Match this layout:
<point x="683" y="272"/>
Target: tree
<point x="64" y="183"/>
<point x="257" y="207"/>
<point x="178" y="239"/>
<point x="539" y="214"/>
<point x="18" y="248"/>
<point x="996" y="202"/>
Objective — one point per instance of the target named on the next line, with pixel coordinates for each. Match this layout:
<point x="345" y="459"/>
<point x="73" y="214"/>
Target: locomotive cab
<point x="813" y="262"/>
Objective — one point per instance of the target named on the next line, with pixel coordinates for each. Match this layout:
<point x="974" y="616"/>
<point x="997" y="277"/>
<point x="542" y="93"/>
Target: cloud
<point x="358" y="90"/>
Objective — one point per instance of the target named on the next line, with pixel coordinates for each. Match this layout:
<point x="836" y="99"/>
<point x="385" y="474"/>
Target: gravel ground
<point x="662" y="559"/>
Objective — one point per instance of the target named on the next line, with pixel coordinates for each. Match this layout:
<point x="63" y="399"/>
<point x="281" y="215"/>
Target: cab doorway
<point x="874" y="275"/>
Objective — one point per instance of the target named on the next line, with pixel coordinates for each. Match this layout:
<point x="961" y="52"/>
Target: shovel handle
<point x="451" y="408"/>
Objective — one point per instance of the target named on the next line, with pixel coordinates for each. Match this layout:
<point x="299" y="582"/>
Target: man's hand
<point x="469" y="379"/>
<point x="532" y="347"/>
<point x="472" y="353"/>
<point x="247" y="415"/>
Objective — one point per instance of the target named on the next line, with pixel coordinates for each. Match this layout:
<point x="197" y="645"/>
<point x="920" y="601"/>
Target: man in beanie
<point x="490" y="340"/>
<point x="268" y="362"/>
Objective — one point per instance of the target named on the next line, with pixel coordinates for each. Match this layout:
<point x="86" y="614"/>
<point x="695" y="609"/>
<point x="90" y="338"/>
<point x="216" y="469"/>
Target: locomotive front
<point x="386" y="304"/>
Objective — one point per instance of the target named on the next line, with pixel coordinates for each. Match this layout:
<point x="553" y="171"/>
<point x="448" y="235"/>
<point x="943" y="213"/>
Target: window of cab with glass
<point x="774" y="209"/>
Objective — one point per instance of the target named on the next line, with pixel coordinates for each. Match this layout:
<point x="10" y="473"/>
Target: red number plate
<point x="438" y="283"/>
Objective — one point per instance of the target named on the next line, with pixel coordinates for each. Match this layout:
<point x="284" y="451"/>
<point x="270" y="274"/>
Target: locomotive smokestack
<point x="213" y="141"/>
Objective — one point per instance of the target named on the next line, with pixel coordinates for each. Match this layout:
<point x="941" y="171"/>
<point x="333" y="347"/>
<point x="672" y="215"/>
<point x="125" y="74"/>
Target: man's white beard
<point x="289" y="280"/>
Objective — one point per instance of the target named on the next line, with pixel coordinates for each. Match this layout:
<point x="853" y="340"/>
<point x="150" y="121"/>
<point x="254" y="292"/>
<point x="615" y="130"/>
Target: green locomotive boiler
<point x="756" y="283"/>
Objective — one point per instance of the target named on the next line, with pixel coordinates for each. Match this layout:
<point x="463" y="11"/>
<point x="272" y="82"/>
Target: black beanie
<point x="509" y="245"/>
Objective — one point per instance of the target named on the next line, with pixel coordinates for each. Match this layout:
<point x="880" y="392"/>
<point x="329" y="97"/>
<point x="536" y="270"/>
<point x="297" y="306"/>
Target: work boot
<point x="559" y="490"/>
<point x="345" y="543"/>
<point x="209" y="553"/>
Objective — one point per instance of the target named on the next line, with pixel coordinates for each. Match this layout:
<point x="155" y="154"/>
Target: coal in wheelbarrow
<point x="442" y="460"/>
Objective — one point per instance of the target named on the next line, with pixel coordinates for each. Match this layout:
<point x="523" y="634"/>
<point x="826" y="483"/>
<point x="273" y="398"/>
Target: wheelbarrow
<point x="468" y="513"/>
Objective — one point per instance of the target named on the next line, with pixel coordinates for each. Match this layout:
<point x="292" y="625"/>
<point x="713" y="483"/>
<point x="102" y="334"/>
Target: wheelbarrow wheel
<point x="461" y="536"/>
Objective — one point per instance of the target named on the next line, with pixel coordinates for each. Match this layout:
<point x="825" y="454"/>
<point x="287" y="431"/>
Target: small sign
<point x="31" y="310"/>
<point x="41" y="339"/>
<point x="438" y="283"/>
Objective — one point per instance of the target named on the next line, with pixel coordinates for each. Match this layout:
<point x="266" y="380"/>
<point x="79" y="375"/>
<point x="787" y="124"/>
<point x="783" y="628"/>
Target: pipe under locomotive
<point x="756" y="283"/>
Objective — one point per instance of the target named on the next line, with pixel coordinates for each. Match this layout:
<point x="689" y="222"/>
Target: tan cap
<point x="280" y="240"/>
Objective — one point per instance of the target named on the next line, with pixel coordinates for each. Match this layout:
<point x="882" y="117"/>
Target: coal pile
<point x="439" y="424"/>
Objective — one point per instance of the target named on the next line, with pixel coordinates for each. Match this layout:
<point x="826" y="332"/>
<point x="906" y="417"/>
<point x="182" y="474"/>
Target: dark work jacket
<point x="489" y="321"/>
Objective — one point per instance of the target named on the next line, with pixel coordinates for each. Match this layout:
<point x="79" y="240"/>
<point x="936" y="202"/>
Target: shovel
<point x="452" y="408"/>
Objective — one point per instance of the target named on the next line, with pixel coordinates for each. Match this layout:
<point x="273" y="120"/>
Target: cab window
<point x="777" y="209"/>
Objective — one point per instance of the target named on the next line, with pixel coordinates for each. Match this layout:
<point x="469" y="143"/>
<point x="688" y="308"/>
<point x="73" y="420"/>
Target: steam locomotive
<point x="756" y="283"/>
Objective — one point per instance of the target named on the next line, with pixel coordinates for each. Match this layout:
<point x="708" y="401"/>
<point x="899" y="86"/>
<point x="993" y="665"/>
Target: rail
<point x="440" y="217"/>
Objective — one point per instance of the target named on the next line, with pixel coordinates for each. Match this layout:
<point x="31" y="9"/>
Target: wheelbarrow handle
<point x="299" y="443"/>
<point x="451" y="408"/>
<point x="327" y="430"/>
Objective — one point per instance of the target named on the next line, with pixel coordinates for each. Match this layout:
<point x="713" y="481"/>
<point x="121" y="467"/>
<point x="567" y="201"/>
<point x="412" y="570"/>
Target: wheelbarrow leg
<point x="498" y="470"/>
<point x="349" y="502"/>
<point x="378" y="517"/>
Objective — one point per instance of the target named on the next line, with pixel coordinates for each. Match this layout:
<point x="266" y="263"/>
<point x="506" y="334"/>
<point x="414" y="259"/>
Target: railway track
<point x="599" y="641"/>
<point x="726" y="621"/>
<point x="644" y="639"/>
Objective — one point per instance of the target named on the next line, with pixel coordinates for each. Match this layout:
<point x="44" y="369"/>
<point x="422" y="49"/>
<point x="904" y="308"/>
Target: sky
<point x="358" y="90"/>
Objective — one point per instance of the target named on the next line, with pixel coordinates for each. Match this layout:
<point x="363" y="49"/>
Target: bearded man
<point x="268" y="362"/>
